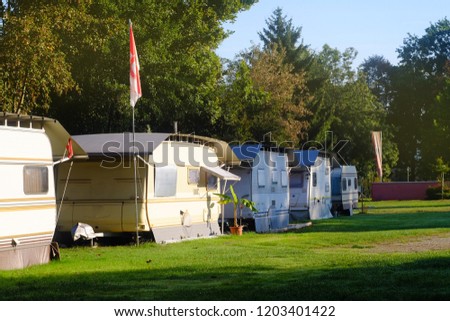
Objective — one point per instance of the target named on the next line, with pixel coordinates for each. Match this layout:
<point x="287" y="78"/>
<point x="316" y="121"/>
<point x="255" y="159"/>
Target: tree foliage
<point x="438" y="119"/>
<point x="30" y="56"/>
<point x="303" y="96"/>
<point x="263" y="95"/>
<point x="418" y="84"/>
<point x="69" y="60"/>
<point x="85" y="43"/>
<point x="378" y="72"/>
<point x="281" y="32"/>
<point x="284" y="113"/>
<point x="346" y="111"/>
<point x="239" y="96"/>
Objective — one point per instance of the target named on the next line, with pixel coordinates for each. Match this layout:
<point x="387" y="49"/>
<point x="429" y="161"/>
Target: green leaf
<point x="235" y="198"/>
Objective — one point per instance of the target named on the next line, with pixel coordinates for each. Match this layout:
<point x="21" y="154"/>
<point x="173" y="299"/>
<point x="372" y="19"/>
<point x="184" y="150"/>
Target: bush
<point x="435" y="192"/>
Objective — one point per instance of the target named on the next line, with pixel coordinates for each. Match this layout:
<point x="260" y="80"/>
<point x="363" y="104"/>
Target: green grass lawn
<point x="397" y="251"/>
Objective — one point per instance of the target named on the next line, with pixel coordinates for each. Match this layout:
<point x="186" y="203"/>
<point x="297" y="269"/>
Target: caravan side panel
<point x="27" y="197"/>
<point x="181" y="203"/>
<point x="270" y="191"/>
<point x="176" y="195"/>
<point x="344" y="189"/>
<point x="101" y="194"/>
<point x="349" y="181"/>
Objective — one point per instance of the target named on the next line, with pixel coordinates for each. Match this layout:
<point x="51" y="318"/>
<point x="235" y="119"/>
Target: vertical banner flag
<point x="135" y="82"/>
<point x="377" y="145"/>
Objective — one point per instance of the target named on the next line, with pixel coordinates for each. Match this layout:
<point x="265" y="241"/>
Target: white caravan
<point x="344" y="182"/>
<point x="177" y="177"/>
<point x="264" y="180"/>
<point x="310" y="185"/>
<point x="29" y="145"/>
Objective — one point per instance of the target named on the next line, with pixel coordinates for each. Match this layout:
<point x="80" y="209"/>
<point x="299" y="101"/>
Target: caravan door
<point x="320" y="191"/>
<point x="298" y="188"/>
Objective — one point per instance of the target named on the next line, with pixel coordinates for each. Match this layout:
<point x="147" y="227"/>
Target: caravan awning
<point x="221" y="173"/>
<point x="246" y="152"/>
<point x="59" y="137"/>
<point x="305" y="158"/>
<point x="223" y="150"/>
<point x="104" y="145"/>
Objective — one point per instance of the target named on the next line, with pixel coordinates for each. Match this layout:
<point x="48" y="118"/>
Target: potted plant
<point x="236" y="229"/>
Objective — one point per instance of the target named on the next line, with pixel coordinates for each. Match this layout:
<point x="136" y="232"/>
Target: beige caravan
<point x="177" y="176"/>
<point x="29" y="148"/>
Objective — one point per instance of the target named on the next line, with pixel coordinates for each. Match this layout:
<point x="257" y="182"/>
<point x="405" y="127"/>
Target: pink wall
<point x="401" y="190"/>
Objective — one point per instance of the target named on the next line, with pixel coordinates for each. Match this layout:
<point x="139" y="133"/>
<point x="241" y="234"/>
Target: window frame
<point x="314" y="179"/>
<point x="37" y="185"/>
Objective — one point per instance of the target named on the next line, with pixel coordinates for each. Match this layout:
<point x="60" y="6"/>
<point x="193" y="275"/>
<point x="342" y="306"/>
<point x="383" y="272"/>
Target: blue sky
<point x="371" y="27"/>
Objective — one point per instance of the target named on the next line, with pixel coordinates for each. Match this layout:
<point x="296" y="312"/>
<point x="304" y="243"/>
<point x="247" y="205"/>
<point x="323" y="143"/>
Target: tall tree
<point x="346" y="111"/>
<point x="378" y="72"/>
<point x="30" y="52"/>
<point x="336" y="70"/>
<point x="428" y="54"/>
<point x="262" y="96"/>
<point x="339" y="99"/>
<point x="89" y="43"/>
<point x="284" y="114"/>
<point x="434" y="144"/>
<point x="416" y="82"/>
<point x="239" y="98"/>
<point x="281" y="32"/>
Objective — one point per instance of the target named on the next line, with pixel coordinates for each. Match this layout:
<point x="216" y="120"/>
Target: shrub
<point x="435" y="192"/>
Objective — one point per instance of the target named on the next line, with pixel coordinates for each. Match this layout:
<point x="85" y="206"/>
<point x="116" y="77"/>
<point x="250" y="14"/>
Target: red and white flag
<point x="69" y="148"/>
<point x="377" y="145"/>
<point x="135" y="82"/>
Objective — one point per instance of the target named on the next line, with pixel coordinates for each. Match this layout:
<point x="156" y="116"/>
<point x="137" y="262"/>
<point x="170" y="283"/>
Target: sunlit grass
<point x="395" y="207"/>
<point x="333" y="259"/>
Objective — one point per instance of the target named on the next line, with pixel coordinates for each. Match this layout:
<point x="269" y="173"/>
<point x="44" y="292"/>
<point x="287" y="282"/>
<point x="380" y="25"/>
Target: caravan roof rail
<point x="22" y="121"/>
<point x="189" y="138"/>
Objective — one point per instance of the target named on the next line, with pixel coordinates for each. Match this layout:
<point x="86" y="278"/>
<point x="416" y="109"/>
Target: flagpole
<point x="132" y="49"/>
<point x="135" y="185"/>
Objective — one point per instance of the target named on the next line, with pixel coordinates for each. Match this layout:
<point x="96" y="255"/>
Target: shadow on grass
<point x="425" y="279"/>
<point x="381" y="222"/>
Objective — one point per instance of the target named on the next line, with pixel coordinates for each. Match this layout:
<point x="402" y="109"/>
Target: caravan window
<point x="349" y="182"/>
<point x="356" y="183"/>
<point x="296" y="181"/>
<point x="35" y="180"/>
<point x="344" y="184"/>
<point x="212" y="182"/>
<point x="261" y="178"/>
<point x="193" y="176"/>
<point x="275" y="177"/>
<point x="314" y="179"/>
<point x="165" y="181"/>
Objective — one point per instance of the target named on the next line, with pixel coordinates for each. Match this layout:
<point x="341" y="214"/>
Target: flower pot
<point x="236" y="230"/>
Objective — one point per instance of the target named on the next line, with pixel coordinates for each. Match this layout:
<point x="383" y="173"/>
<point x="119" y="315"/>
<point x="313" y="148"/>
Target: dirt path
<point x="428" y="243"/>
